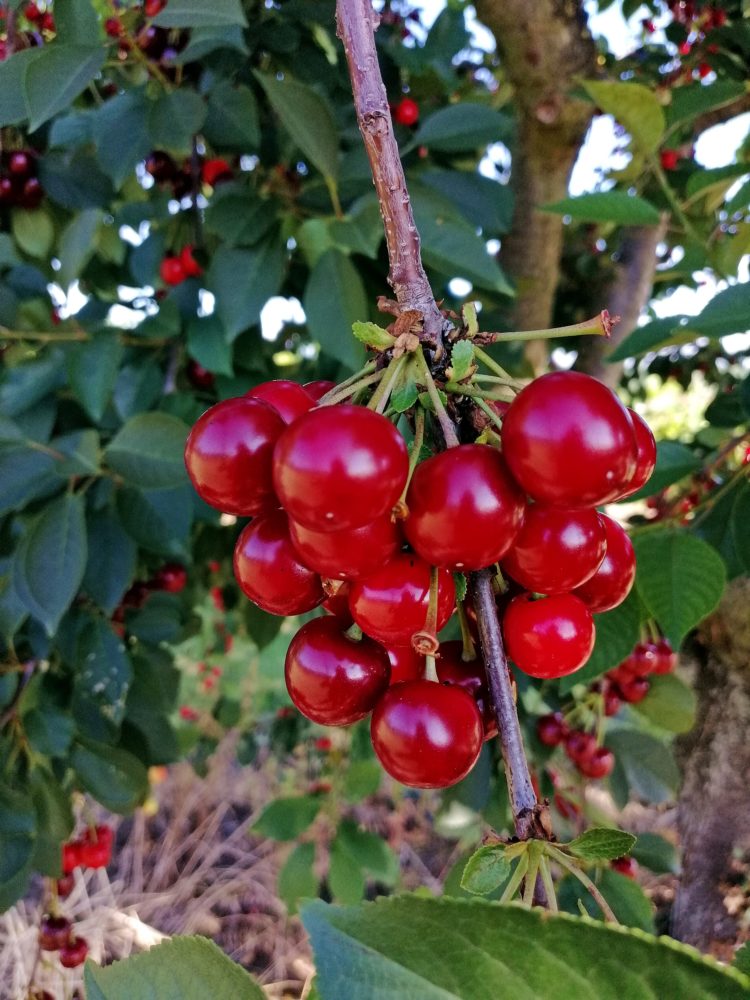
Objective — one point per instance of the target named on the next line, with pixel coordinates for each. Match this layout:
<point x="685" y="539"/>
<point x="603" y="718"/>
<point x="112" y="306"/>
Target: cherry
<point x="633" y="690"/>
<point x="391" y="604"/>
<point x="268" y="569"/>
<point x="550" y="637"/>
<point x="153" y="7"/>
<point x="599" y="764"/>
<point x="669" y="157"/>
<point x="556" y="549"/>
<point x="551" y="729"/>
<point x="323" y="744"/>
<point x="65" y="886"/>
<point x="48" y="22"/>
<point x="54" y="932"/>
<point x="427" y="735"/>
<point x="318" y="388"/>
<point x="198" y="376"/>
<point x="406" y="112"/>
<point x="339" y="467"/>
<point x="612" y="701"/>
<point x="569" y="441"/>
<point x="580" y="746"/>
<point x="349" y="554"/>
<point x="113" y="27"/>
<point x="464" y="508"/>
<point x="74" y="953"/>
<point x="215" y="171"/>
<point x="641" y="661"/>
<point x="20" y="164"/>
<point x="612" y="582"/>
<point x="626" y="866"/>
<point x="646" y="454"/>
<point x="7" y="191"/>
<point x="288" y="398"/>
<point x="333" y="679"/>
<point x="70" y="857"/>
<point x="32" y="194"/>
<point x="96" y="847"/>
<point x="32" y="13"/>
<point x="666" y="658"/>
<point x="190" y="265"/>
<point x="337" y="604"/>
<point x="471" y="677"/>
<point x="161" y="166"/>
<point x="406" y="664"/>
<point x="229" y="455"/>
<point x="172" y="271"/>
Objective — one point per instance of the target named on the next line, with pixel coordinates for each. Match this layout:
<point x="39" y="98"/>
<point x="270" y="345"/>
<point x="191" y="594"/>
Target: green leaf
<point x="480" y="200"/>
<point x="634" y="106"/>
<point x="183" y="968"/>
<point x="674" y="461"/>
<point x="630" y="904"/>
<point x="102" y="678"/>
<point x="307" y="118"/>
<point x="208" y="39"/>
<point x="680" y="580"/>
<point x="50" y="560"/>
<point x="728" y="312"/>
<point x="297" y="880"/>
<point x="742" y="959"/>
<point x="287" y="818"/>
<point x="121" y="134"/>
<point x="26" y="385"/>
<point x="370" y="852"/>
<point x="240" y="218"/>
<point x="334" y="300"/>
<point x="653" y="336"/>
<point x="148" y="451"/>
<point x="646" y="764"/>
<point x="362" y="778"/>
<point x="740" y="520"/>
<point x="76" y="21"/>
<point x="72" y="178"/>
<point x="463" y="127"/>
<point x="54" y="820"/>
<point x="207" y="344"/>
<point x="12" y="610"/>
<point x="93" y="369"/>
<point x="372" y="335"/>
<point x="607" y="206"/>
<point x="617" y="631"/>
<point x="656" y="853"/>
<point x="57" y="76"/>
<point x="670" y="704"/>
<point x="159" y="520"/>
<point x="232" y="121"/>
<point x="25" y="474"/>
<point x="17" y="832"/>
<point x="720" y="178"/>
<point x="600" y="844"/>
<point x="485" y="870"/>
<point x="112" y="559"/>
<point x="33" y="231"/>
<point x="687" y="102"/>
<point x="113" y="776"/>
<point x="160" y="620"/>
<point x="475" y="950"/>
<point x="346" y="879"/>
<point x="462" y="360"/>
<point x="243" y="281"/>
<point x="13" y="106"/>
<point x="76" y="245"/>
<point x="198" y="14"/>
<point x="174" y="118"/>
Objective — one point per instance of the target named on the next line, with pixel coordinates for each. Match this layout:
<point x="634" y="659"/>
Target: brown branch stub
<point x="356" y="23"/>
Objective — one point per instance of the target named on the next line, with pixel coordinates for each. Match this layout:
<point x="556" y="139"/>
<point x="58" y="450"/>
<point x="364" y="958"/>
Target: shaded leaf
<point x="485" y="870"/>
<point x="607" y="206"/>
<point x="148" y="451"/>
<point x="307" y="118"/>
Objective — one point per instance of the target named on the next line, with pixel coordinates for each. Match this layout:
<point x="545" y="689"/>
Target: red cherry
<point x="47" y="23"/>
<point x="7" y="190"/>
<point x="199" y="376"/>
<point x="289" y="399"/>
<point x="65" y="886"/>
<point x="633" y="690"/>
<point x="339" y="467"/>
<point x="172" y="271"/>
<point x="268" y="569"/>
<point x="464" y="508"/>
<point x="391" y="604"/>
<point x="332" y="679"/>
<point x="215" y="171"/>
<point x="32" y="13"/>
<point x="96" y="847"/>
<point x="569" y="441"/>
<point x="172" y="578"/>
<point x="406" y="112"/>
<point x="54" y="932"/>
<point x="337" y="604"/>
<point x="229" y="455"/>
<point x="471" y="677"/>
<point x="152" y="7"/>
<point x="599" y="764"/>
<point x="646" y="459"/>
<point x="566" y="807"/>
<point x="666" y="658"/>
<point x="406" y="664"/>
<point x="161" y="166"/>
<point x="641" y="661"/>
<point x="550" y="637"/>
<point x="580" y="746"/>
<point x="32" y="194"/>
<point x="613" y="580"/>
<point x="625" y="866"/>
<point x="551" y="729"/>
<point x="318" y="388"/>
<point x="350" y="554"/>
<point x="113" y="27"/>
<point x="20" y="163"/>
<point x="190" y="265"/>
<point x="426" y="735"/>
<point x="556" y="549"/>
<point x="612" y="701"/>
<point x="70" y="857"/>
<point x="74" y="953"/>
<point x="670" y="157"/>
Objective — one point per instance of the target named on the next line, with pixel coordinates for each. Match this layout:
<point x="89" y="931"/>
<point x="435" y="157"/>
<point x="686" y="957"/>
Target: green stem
<point x="382" y="394"/>
<point x="671" y="197"/>
<point x="470" y="650"/>
<point x="549" y="885"/>
<point x="516" y="878"/>
<point x="598" y="326"/>
<point x="503" y="394"/>
<point x="415" y="450"/>
<point x="333" y="191"/>
<point x="350" y="390"/>
<point x="446" y="424"/>
<point x="582" y="877"/>
<point x="490" y="362"/>
<point x="489" y="412"/>
<point x="530" y="883"/>
<point x="369" y="367"/>
<point x="63" y="336"/>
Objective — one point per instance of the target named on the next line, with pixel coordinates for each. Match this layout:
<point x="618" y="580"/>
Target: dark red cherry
<point x="470" y="676"/>
<point x="646" y="457"/>
<point x="406" y="112"/>
<point x="190" y="265"/>
<point x="556" y="549"/>
<point x="391" y="604"/>
<point x="268" y="569"/>
<point x="427" y="735"/>
<point x="54" y="932"/>
<point x="625" y="866"/>
<point x="612" y="582"/>
<point x="666" y="658"/>
<point x="161" y="166"/>
<point x="569" y="441"/>
<point x="633" y="690"/>
<point x="318" y="388"/>
<point x="199" y="376"/>
<point x="65" y="886"/>
<point x="464" y="508"/>
<point x="406" y="664"/>
<point x="70" y="856"/>
<point x="216" y="171"/>
<point x="32" y="194"/>
<point x="74" y="953"/>
<point x="172" y="577"/>
<point x="599" y="764"/>
<point x="289" y="399"/>
<point x="96" y="847"/>
<point x="550" y="637"/>
<point x="337" y="604"/>
<point x="347" y="555"/>
<point x="20" y="164"/>
<point x="332" y="679"/>
<point x="551" y="729"/>
<point x="612" y="701"/>
<point x="641" y="661"/>
<point x="229" y="455"/>
<point x="580" y="746"/>
<point x="339" y="467"/>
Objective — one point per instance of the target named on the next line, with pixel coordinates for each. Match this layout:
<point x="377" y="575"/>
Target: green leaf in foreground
<point x="185" y="968"/>
<point x="485" y="870"/>
<point x="475" y="950"/>
<point x="599" y="844"/>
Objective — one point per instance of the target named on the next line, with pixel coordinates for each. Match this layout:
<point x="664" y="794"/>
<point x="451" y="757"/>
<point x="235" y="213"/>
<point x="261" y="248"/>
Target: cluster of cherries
<point x="41" y="19"/>
<point x="19" y="184"/>
<point x="171" y="578"/>
<point x="179" y="177"/>
<point x="176" y="268"/>
<point x="333" y="510"/>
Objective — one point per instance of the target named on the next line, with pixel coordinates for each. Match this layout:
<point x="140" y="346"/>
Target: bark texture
<point x="714" y="805"/>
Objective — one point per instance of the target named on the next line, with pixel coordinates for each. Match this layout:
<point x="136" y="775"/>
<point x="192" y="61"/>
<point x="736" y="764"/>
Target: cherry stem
<point x="489" y="412"/>
<point x="351" y="390"/>
<point x="598" y="326"/>
<point x="489" y="362"/>
<point x="368" y="368"/>
<point x="549" y="885"/>
<point x="430" y="624"/>
<point x="430" y="669"/>
<point x="415" y="450"/>
<point x="446" y="424"/>
<point x="516" y="878"/>
<point x="469" y="651"/>
<point x="568" y="865"/>
<point x="382" y="394"/>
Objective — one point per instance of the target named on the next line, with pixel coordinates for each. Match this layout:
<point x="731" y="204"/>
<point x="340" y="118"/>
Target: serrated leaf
<point x="485" y="870"/>
<point x="121" y="135"/>
<point x="93" y="369"/>
<point x="462" y="360"/>
<point x="687" y="102"/>
<point x="334" y="300"/>
<point x="600" y="844"/>
<point x="57" y="76"/>
<point x="232" y="120"/>
<point x="346" y="879"/>
<point x="617" y="631"/>
<point x="669" y="704"/>
<point x="372" y="335"/>
<point x="369" y="851"/>
<point x="634" y="106"/>
<point x="405" y="395"/>
<point x="727" y="312"/>
<point x="626" y="898"/>
<point x="674" y="461"/>
<point x="102" y="678"/>
<point x="287" y="818"/>
<point x="679" y="578"/>
<point x="463" y="127"/>
<point x="607" y="206"/>
<point x="113" y="776"/>
<point x="243" y="281"/>
<point x="646" y="763"/>
<point x="461" y="586"/>
<point x="148" y="451"/>
<point x="198" y="14"/>
<point x="482" y="201"/>
<point x="174" y="118"/>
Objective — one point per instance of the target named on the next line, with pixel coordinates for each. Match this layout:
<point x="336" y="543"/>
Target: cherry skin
<point x="20" y="164"/>
<point x="471" y="677"/>
<point x="406" y="112"/>
<point x="70" y="857"/>
<point x="161" y="166"/>
<point x="551" y="729"/>
<point x="337" y="604"/>
<point x="406" y="664"/>
<point x="65" y="886"/>
<point x="349" y="554"/>
<point x="96" y="847"/>
<point x="464" y="508"/>
<point x="427" y="735"/>
<point x="334" y="680"/>
<point x="646" y="454"/>
<point x="32" y="194"/>
<point x="215" y="171"/>
<point x="612" y="701"/>
<point x="74" y="953"/>
<point x="171" y="577"/>
<point x="569" y="441"/>
<point x="229" y="455"/>
<point x="198" y="376"/>
<point x="579" y="746"/>
<point x="339" y="467"/>
<point x="666" y="658"/>
<point x="54" y="933"/>
<point x="613" y="580"/>
<point x="172" y="271"/>
<point x="268" y="569"/>
<point x="633" y="690"/>
<point x="318" y="388"/>
<point x="641" y="661"/>
<point x="190" y="265"/>
<point x="548" y="638"/>
<point x="599" y="764"/>
<point x="288" y="398"/>
<point x="626" y="866"/>
<point x="113" y="27"/>
<point x="556" y="549"/>
<point x="391" y="604"/>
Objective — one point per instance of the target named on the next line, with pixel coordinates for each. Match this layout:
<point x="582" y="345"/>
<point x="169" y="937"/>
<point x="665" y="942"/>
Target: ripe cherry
<point x="556" y="549"/>
<point x="200" y="377"/>
<point x="580" y="746"/>
<point x="471" y="677"/>
<point x="74" y="953"/>
<point x="288" y="398"/>
<point x="32" y="194"/>
<point x="229" y="455"/>
<point x="20" y="164"/>
<point x="48" y="22"/>
<point x="427" y="735"/>
<point x="599" y="764"/>
<point x="113" y="27"/>
<point x="641" y="661"/>
<point x="32" y="13"/>
<point x="70" y="857"/>
<point x="332" y="679"/>
<point x="65" y="886"/>
<point x="612" y="701"/>
<point x="172" y="271"/>
<point x="626" y="866"/>
<point x="215" y="171"/>
<point x="318" y="388"/>
<point x="391" y="604"/>
<point x="337" y="604"/>
<point x="54" y="932"/>
<point x="633" y="690"/>
<point x="406" y="664"/>
<point x="152" y="7"/>
<point x="268" y="569"/>
<point x="464" y="508"/>
<point x="339" y="467"/>
<point x="669" y="158"/>
<point x="550" y="637"/>
<point x="569" y="441"/>
<point x="161" y="166"/>
<point x="96" y="847"/>
<point x="666" y="658"/>
<point x="350" y="554"/>
<point x="406" y="112"/>
<point x="190" y="265"/>
<point x="646" y="454"/>
<point x="551" y="729"/>
<point x="172" y="577"/>
<point x="613" y="580"/>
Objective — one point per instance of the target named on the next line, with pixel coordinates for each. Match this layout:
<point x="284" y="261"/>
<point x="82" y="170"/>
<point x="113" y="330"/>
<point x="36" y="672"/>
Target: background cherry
<point x="551" y="729"/>
<point x="349" y="554"/>
<point x="599" y="764"/>
<point x="54" y="932"/>
<point x="318" y="388"/>
<point x="550" y="637"/>
<point x="337" y="604"/>
<point x="579" y="746"/>
<point x="406" y="112"/>
<point x="646" y="454"/>
<point x="288" y="398"/>
<point x="74" y="953"/>
<point x="613" y="580"/>
<point x="470" y="676"/>
<point x="172" y="577"/>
